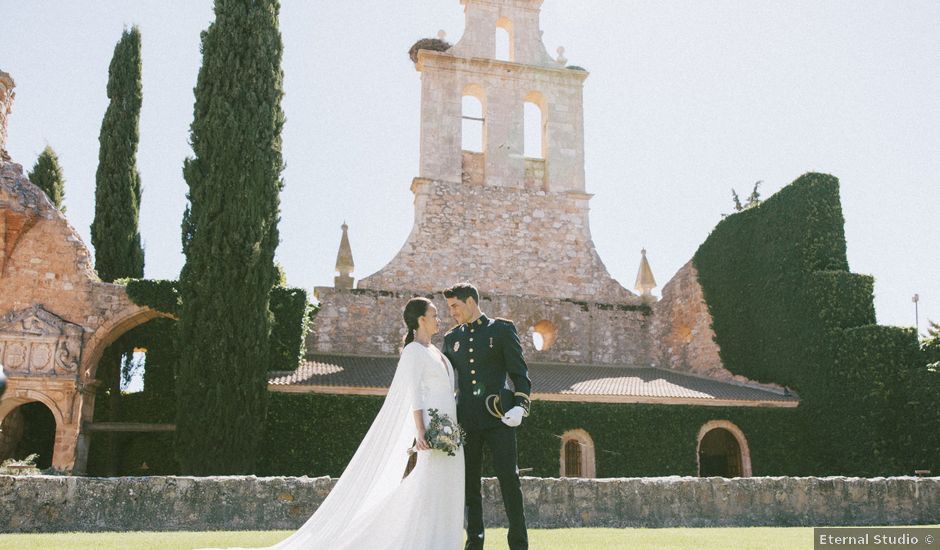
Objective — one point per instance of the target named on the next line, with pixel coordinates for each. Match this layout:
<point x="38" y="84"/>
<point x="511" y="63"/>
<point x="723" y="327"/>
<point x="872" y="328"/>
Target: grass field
<point x="755" y="538"/>
<point x="783" y="538"/>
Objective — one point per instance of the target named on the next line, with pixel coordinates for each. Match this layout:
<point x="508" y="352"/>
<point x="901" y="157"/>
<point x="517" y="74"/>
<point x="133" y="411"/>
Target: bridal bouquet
<point x="443" y="433"/>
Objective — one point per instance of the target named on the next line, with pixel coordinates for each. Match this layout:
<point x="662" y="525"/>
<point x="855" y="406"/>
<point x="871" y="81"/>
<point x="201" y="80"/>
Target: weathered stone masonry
<point x="58" y="504"/>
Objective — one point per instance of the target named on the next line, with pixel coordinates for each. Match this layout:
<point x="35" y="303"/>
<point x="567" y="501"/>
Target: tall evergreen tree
<point x="114" y="231"/>
<point x="229" y="237"/>
<point x="47" y="174"/>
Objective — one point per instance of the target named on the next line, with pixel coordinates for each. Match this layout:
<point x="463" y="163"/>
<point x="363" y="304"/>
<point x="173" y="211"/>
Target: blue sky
<point x="685" y="101"/>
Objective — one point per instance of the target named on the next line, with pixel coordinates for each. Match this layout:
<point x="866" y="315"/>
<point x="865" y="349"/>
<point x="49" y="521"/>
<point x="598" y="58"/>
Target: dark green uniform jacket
<point x="492" y="376"/>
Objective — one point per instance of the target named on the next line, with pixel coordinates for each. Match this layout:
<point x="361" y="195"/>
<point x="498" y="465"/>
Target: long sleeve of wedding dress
<point x="371" y="506"/>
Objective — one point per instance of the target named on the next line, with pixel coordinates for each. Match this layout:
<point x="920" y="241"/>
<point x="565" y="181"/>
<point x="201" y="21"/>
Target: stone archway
<point x="64" y="434"/>
<point x="29" y="429"/>
<point x="109" y="331"/>
<point x="722" y="450"/>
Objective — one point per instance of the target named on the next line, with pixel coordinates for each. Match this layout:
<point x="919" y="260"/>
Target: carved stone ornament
<point x="36" y="342"/>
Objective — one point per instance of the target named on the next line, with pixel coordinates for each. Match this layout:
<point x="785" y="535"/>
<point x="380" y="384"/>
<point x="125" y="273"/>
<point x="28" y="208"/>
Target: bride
<point x="371" y="506"/>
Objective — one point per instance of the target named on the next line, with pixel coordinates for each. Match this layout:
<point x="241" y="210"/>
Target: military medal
<point x="456" y="346"/>
<point x="491" y="342"/>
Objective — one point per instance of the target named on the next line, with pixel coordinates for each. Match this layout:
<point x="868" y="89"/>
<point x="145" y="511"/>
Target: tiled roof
<point x="551" y="382"/>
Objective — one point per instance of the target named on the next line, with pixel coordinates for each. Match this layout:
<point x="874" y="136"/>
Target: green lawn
<point x="540" y="539"/>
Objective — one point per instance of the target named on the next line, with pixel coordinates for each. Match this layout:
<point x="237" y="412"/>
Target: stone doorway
<point x="723" y="451"/>
<point x="28" y="429"/>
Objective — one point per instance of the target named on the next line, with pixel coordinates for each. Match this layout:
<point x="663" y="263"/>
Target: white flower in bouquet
<point x="443" y="433"/>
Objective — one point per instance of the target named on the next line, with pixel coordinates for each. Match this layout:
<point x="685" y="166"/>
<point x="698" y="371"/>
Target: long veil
<point x="375" y="470"/>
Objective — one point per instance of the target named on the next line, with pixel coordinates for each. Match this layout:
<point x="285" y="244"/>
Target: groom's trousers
<point x="502" y="444"/>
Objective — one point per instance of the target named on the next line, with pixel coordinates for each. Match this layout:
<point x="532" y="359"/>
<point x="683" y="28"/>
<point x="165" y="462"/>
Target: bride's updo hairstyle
<point x="414" y="309"/>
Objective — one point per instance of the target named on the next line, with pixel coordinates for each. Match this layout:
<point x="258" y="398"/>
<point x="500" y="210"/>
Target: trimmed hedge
<point x="786" y="309"/>
<point x="315" y="435"/>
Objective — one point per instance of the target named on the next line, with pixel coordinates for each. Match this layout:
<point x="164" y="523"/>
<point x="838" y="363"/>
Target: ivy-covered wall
<point x="152" y="453"/>
<point x="786" y="309"/>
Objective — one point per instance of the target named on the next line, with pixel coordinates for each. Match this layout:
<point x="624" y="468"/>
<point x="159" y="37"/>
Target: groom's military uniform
<point x="487" y="355"/>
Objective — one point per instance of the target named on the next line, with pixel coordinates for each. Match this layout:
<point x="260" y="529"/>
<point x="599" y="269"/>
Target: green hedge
<point x="125" y="453"/>
<point x="786" y="309"/>
<point x="315" y="435"/>
<point x="292" y="311"/>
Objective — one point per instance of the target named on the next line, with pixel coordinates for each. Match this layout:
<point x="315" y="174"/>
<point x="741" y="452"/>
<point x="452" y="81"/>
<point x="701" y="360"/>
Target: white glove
<point x="513" y="416"/>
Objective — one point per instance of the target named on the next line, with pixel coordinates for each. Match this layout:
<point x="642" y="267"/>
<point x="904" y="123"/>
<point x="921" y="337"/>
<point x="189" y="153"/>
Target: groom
<point x="485" y="352"/>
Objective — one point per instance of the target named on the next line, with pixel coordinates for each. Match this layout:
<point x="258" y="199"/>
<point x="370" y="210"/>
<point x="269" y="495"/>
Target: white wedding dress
<point x="372" y="507"/>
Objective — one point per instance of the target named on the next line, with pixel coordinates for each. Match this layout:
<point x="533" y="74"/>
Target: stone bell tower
<point x="514" y="224"/>
<point x="504" y="210"/>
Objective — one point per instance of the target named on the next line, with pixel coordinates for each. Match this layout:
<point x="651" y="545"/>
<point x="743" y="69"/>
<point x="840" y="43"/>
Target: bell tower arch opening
<point x="504" y="46"/>
<point x="473" y="119"/>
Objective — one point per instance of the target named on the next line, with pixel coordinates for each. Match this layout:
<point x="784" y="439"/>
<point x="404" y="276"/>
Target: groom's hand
<point x="513" y="417"/>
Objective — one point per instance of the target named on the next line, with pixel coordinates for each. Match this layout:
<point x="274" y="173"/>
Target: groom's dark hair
<point x="462" y="291"/>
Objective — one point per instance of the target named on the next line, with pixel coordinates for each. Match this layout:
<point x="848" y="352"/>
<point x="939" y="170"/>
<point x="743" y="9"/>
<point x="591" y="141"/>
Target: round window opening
<point x="543" y="335"/>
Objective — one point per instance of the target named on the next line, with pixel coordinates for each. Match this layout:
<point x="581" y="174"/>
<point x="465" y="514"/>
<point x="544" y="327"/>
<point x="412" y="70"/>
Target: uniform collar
<point x="482" y="320"/>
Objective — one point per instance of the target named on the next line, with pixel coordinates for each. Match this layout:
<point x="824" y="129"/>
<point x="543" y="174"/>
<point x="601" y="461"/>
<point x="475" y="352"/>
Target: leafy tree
<point x="229" y="236"/>
<point x="47" y="175"/>
<point x="752" y="200"/>
<point x="114" y="231"/>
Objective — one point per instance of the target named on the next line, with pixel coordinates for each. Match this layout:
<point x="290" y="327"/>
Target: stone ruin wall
<point x="681" y="332"/>
<point x="368" y="322"/>
<point x="56" y="316"/>
<point x="6" y="107"/>
<point x="682" y="328"/>
<point x="507" y="241"/>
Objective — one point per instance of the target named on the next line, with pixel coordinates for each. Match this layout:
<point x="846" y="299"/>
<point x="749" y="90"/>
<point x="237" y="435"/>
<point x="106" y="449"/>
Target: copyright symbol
<point x="928" y="539"/>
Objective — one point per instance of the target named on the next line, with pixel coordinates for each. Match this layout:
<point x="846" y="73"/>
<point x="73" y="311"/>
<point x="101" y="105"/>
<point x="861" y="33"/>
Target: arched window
<point x="577" y="454"/>
<point x="504" y="49"/>
<point x="723" y="451"/>
<point x="473" y="123"/>
<point x="534" y="139"/>
<point x="572" y="458"/>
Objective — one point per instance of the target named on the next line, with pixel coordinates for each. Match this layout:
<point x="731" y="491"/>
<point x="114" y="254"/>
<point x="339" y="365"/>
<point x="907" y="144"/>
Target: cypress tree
<point x="114" y="231"/>
<point x="47" y="174"/>
<point x="229" y="237"/>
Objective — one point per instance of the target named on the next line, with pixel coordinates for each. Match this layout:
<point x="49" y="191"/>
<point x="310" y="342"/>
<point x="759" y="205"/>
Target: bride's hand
<point x="421" y="442"/>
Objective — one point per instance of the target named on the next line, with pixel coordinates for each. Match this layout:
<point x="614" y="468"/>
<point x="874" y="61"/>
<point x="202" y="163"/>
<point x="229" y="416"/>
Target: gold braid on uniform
<point x="525" y="402"/>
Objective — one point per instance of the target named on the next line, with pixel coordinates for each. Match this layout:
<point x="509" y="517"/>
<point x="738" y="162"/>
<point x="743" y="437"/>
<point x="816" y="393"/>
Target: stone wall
<point x="682" y="328"/>
<point x="6" y="106"/>
<point x="52" y="503"/>
<point x="368" y="322"/>
<point x="507" y="241"/>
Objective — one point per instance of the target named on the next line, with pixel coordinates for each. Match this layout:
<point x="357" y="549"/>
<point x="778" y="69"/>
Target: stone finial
<point x="645" y="282"/>
<point x="442" y="35"/>
<point x="561" y="59"/>
<point x="6" y="107"/>
<point x="344" y="262"/>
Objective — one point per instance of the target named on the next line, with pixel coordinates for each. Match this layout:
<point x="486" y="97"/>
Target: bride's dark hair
<point x="415" y="308"/>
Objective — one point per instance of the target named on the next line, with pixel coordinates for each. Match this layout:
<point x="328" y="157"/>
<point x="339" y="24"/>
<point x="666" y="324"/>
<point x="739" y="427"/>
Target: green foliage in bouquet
<point x="444" y="433"/>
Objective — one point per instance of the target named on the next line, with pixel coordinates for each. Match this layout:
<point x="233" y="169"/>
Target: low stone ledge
<point x="58" y="503"/>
